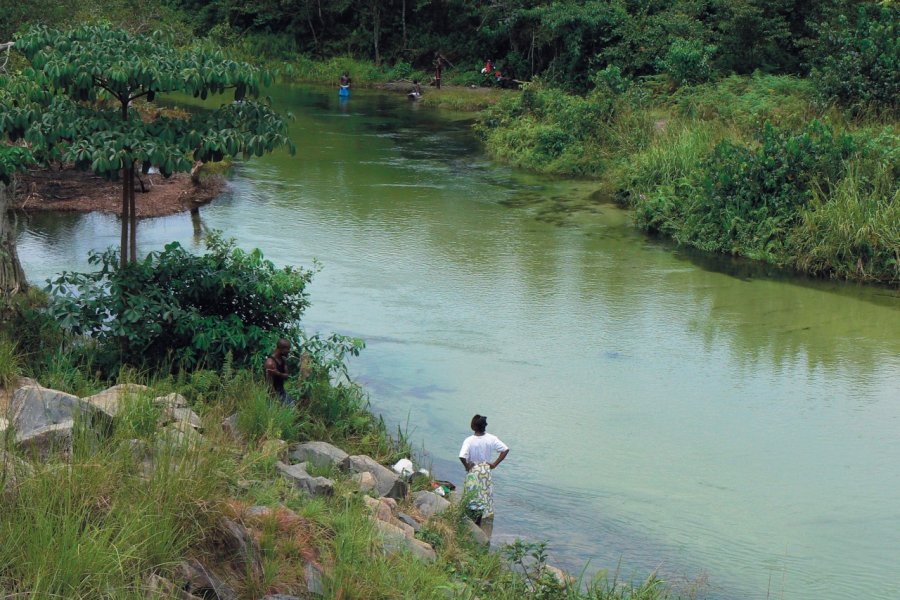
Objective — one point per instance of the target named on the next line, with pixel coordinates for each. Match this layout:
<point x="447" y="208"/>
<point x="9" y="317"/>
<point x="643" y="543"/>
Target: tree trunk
<point x="123" y="243"/>
<point x="376" y="30"/>
<point x="12" y="277"/>
<point x="403" y="21"/>
<point x="195" y="172"/>
<point x="132" y="214"/>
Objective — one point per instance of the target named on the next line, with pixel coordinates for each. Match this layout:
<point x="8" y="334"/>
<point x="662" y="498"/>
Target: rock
<point x="181" y="433"/>
<point x="365" y="481"/>
<point x="260" y="512"/>
<point x="229" y="426"/>
<point x="34" y="407"/>
<point x="203" y="582"/>
<point x="395" y="540"/>
<point x="280" y="597"/>
<point x="380" y="509"/>
<point x="429" y="504"/>
<point x="4" y="424"/>
<point x="561" y="576"/>
<point x="158" y="588"/>
<point x="314" y="579"/>
<point x="320" y="454"/>
<point x="172" y="400"/>
<point x="303" y="481"/>
<point x="478" y="534"/>
<point x="276" y="448"/>
<point x="242" y="545"/>
<point x="387" y="483"/>
<point x="405" y="518"/>
<point x="12" y="470"/>
<point x="47" y="440"/>
<point x="110" y="401"/>
<point x="181" y="414"/>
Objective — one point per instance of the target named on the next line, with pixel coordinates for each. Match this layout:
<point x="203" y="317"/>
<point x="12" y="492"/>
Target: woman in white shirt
<point x="476" y="454"/>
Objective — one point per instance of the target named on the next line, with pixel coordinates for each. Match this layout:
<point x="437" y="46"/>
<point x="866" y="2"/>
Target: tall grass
<point x="10" y="363"/>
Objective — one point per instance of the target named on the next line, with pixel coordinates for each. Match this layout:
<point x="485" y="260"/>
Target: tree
<point x="95" y="75"/>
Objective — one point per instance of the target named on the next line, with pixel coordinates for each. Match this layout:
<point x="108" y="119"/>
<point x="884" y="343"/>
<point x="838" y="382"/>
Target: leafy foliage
<point x="687" y="61"/>
<point x="858" y="62"/>
<point x="177" y="308"/>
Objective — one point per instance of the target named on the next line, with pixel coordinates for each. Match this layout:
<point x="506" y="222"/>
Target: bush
<point x="687" y="62"/>
<point x="183" y="310"/>
<point x="857" y="64"/>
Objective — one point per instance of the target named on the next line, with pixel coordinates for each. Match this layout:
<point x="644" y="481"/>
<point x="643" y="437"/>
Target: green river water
<point x="665" y="411"/>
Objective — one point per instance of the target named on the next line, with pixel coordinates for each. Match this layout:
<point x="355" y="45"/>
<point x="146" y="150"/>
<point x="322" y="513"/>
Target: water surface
<point x="664" y="411"/>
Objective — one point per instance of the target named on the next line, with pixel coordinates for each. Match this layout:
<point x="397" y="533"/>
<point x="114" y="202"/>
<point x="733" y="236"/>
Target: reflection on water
<point x="662" y="411"/>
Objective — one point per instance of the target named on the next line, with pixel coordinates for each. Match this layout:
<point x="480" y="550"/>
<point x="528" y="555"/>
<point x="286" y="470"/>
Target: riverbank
<point x="748" y="166"/>
<point x="71" y="190"/>
<point x="197" y="485"/>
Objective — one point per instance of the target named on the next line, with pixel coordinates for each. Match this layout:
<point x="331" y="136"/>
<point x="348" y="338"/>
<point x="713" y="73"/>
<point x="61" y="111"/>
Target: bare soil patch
<point x="68" y="189"/>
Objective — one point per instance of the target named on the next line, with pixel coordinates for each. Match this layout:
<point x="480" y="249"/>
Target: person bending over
<point x="277" y="370"/>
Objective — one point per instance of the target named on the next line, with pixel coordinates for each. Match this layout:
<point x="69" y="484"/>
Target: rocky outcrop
<point x="303" y="481"/>
<point x="241" y="544"/>
<point x="387" y="483"/>
<point x="180" y="414"/>
<point x="429" y="504"/>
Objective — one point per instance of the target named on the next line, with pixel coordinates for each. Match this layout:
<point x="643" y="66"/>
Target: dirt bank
<point x="82" y="191"/>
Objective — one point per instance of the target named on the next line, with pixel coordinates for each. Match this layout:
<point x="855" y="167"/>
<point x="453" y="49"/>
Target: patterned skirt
<point x="479" y="490"/>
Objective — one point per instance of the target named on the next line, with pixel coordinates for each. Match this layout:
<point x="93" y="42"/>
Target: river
<point x="699" y="417"/>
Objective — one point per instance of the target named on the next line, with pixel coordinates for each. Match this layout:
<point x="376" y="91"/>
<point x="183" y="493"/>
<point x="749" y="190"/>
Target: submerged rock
<point x="387" y="483"/>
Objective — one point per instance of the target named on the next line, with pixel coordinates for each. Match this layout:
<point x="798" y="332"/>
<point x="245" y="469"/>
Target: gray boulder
<point x="241" y="544"/>
<point x="157" y="588"/>
<point x="183" y="415"/>
<point x="303" y="481"/>
<point x="365" y="481"/>
<point x="172" y="400"/>
<point x="315" y="577"/>
<point x="110" y="400"/>
<point x="202" y="582"/>
<point x="320" y="454"/>
<point x="230" y="427"/>
<point x="12" y="470"/>
<point x="408" y="520"/>
<point x="387" y="483"/>
<point x="40" y="443"/>
<point x="477" y="533"/>
<point x="429" y="504"/>
<point x="395" y="540"/>
<point x="34" y="407"/>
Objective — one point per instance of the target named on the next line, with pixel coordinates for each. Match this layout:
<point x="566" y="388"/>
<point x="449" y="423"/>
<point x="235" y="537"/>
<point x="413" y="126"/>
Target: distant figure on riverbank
<point x="416" y="92"/>
<point x="475" y="455"/>
<point x="346" y="82"/>
<point x="438" y="65"/>
<point x="277" y="370"/>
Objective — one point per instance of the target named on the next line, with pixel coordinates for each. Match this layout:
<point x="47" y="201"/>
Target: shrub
<point x="183" y="310"/>
<point x="857" y="63"/>
<point x="687" y="62"/>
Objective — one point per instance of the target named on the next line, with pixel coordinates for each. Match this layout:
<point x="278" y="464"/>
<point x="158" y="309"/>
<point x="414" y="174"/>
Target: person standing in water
<point x="346" y="82"/>
<point x="475" y="455"/>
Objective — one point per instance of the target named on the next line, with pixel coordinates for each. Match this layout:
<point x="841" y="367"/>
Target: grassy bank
<point x="751" y="166"/>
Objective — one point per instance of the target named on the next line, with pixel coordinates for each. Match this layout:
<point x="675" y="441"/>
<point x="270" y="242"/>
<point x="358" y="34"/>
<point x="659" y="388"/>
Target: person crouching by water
<point x="277" y="370"/>
<point x="416" y="92"/>
<point x="475" y="455"/>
